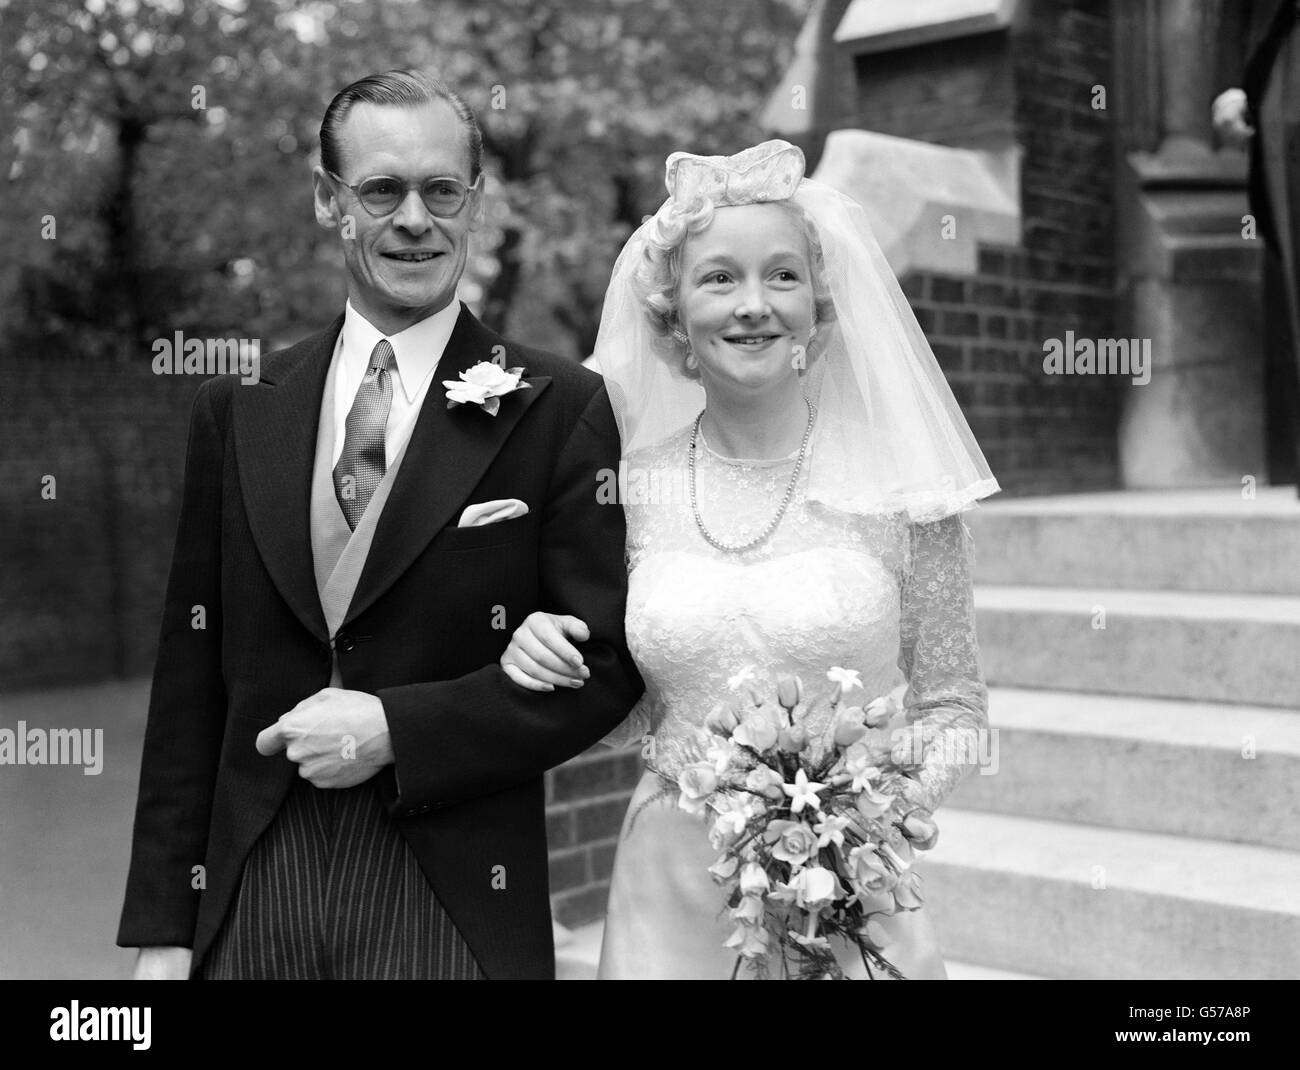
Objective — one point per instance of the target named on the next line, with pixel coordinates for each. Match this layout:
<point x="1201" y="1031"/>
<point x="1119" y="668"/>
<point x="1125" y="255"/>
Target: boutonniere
<point x="485" y="385"/>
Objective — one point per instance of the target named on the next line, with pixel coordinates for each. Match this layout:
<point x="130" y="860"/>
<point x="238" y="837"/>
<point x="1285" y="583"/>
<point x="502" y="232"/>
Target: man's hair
<point x="397" y="88"/>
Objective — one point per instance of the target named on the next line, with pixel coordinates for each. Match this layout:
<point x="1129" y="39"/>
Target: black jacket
<point x="423" y="633"/>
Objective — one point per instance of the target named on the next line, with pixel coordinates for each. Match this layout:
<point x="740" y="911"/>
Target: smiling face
<point x="746" y="298"/>
<point x="403" y="266"/>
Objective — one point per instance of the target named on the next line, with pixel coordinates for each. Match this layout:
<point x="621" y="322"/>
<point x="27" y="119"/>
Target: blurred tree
<point x="170" y="140"/>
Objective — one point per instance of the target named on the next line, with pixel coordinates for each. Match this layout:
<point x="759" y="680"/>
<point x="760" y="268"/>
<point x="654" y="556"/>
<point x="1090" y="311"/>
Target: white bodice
<point x="876" y="594"/>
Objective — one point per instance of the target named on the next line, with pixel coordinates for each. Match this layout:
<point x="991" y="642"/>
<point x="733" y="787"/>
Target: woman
<point x="796" y="464"/>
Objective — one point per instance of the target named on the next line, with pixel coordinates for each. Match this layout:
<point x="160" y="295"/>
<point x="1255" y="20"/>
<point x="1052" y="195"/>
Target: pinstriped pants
<point x="332" y="891"/>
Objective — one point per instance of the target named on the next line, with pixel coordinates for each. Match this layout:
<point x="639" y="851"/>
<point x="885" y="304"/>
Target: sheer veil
<point x="889" y="435"/>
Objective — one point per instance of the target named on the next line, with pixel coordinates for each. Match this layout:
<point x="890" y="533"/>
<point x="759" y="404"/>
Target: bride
<point x="794" y="470"/>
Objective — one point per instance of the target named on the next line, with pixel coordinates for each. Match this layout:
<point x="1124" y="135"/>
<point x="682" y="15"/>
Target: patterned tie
<point x="362" y="464"/>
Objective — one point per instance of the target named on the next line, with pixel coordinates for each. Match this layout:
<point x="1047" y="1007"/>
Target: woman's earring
<point x="812" y="332"/>
<point x="682" y="340"/>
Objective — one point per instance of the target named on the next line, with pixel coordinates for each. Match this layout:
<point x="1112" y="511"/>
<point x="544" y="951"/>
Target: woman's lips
<point x="751" y="342"/>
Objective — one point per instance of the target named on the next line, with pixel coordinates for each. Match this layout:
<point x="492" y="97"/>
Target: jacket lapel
<point x="448" y="453"/>
<point x="275" y="426"/>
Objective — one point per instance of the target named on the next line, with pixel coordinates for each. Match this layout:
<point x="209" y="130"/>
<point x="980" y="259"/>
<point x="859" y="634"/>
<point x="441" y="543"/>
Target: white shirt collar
<point x="417" y="349"/>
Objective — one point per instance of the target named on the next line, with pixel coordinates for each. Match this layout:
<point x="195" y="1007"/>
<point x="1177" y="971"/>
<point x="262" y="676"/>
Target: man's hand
<point x="1231" y="117"/>
<point x="337" y="738"/>
<point x="162" y="964"/>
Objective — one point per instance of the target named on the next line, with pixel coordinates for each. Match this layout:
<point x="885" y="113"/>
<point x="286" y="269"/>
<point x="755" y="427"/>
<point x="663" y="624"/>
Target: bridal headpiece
<point x="889" y="435"/>
<point x="767" y="172"/>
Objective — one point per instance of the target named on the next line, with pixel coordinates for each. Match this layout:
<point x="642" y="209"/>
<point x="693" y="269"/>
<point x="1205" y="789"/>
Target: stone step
<point x="1156" y="765"/>
<point x="1054" y="899"/>
<point x="1206" y="540"/>
<point x="1160" y="644"/>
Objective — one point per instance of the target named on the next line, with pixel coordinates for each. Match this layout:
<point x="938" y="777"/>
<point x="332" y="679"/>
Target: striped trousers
<point x="332" y="891"/>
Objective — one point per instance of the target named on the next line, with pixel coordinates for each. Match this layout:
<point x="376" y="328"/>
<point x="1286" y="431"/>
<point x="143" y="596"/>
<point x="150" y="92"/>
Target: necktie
<point x="362" y="463"/>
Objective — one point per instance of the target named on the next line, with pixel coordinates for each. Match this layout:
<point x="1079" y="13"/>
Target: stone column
<point x="1189" y="280"/>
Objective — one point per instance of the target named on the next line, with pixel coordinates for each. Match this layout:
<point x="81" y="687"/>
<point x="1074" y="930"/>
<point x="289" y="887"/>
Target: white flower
<point x="749" y="940"/>
<point x="815" y="887"/>
<point x="803" y="792"/>
<point x="881" y="711"/>
<point x="864" y="777"/>
<point x="756" y="732"/>
<point x="743" y="677"/>
<point x="846" y="678"/>
<point x="485" y="384"/>
<point x="753" y="880"/>
<point x="732" y="818"/>
<point x="872" y="803"/>
<point x="697" y="782"/>
<point x="749" y="910"/>
<point x="794" y="841"/>
<point x="722" y="755"/>
<point x="907" y="893"/>
<point x="830" y="829"/>
<point x="766" y="781"/>
<point x="789" y="691"/>
<point x="868" y="873"/>
<point x="724" y="869"/>
<point x="721" y="721"/>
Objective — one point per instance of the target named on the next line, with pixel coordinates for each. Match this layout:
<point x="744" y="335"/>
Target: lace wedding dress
<point x="878" y="594"/>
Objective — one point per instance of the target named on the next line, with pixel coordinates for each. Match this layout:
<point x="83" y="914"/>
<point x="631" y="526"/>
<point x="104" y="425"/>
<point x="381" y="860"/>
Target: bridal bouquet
<point x="810" y="846"/>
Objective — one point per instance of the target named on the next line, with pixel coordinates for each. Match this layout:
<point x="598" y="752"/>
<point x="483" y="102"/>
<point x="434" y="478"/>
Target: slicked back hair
<point x="403" y="89"/>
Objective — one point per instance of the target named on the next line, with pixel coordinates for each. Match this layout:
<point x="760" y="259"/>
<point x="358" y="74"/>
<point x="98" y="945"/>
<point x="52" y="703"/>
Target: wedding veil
<point x="889" y="436"/>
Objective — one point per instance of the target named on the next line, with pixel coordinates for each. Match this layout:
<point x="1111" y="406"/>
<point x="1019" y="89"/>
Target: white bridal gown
<point x="877" y="594"/>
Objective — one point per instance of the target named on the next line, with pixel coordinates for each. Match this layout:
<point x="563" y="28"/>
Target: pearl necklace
<point x="736" y="548"/>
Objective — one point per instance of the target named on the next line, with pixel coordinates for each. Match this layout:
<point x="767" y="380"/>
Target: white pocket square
<point x="476" y="516"/>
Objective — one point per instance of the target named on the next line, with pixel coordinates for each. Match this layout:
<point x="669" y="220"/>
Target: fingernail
<point x="576" y="659"/>
<point x="575" y="683"/>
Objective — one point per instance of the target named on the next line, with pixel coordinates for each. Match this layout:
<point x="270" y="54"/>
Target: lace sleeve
<point x="946" y="702"/>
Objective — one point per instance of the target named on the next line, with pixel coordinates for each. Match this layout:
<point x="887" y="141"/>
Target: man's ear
<point x="327" y="207"/>
<point x="478" y="205"/>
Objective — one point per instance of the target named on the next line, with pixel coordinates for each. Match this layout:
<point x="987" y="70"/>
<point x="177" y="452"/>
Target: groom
<point x="339" y="781"/>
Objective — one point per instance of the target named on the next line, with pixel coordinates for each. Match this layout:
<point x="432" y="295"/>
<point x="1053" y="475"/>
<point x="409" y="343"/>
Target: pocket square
<point x="475" y="516"/>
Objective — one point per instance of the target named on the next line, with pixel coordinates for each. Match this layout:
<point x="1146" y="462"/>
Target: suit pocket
<point x="499" y="534"/>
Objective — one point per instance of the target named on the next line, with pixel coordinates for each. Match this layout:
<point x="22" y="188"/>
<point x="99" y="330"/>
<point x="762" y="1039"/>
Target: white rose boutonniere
<point x="485" y="385"/>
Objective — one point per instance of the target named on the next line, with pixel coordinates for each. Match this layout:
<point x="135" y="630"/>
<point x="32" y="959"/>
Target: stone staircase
<point x="1138" y="646"/>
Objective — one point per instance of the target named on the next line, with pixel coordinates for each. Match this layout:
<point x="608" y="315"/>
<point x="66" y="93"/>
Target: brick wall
<point x="585" y="802"/>
<point x="1040" y="433"/>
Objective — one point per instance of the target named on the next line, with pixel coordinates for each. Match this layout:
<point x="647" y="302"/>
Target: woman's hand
<point x="540" y="656"/>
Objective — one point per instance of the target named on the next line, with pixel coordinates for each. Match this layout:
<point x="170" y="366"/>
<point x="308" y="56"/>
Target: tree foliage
<point x="171" y="143"/>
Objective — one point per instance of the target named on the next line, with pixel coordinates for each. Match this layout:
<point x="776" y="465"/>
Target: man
<point x="1263" y="115"/>
<point x="338" y="779"/>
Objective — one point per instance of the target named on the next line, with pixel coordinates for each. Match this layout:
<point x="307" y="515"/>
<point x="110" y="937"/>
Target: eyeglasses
<point x="380" y="195"/>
